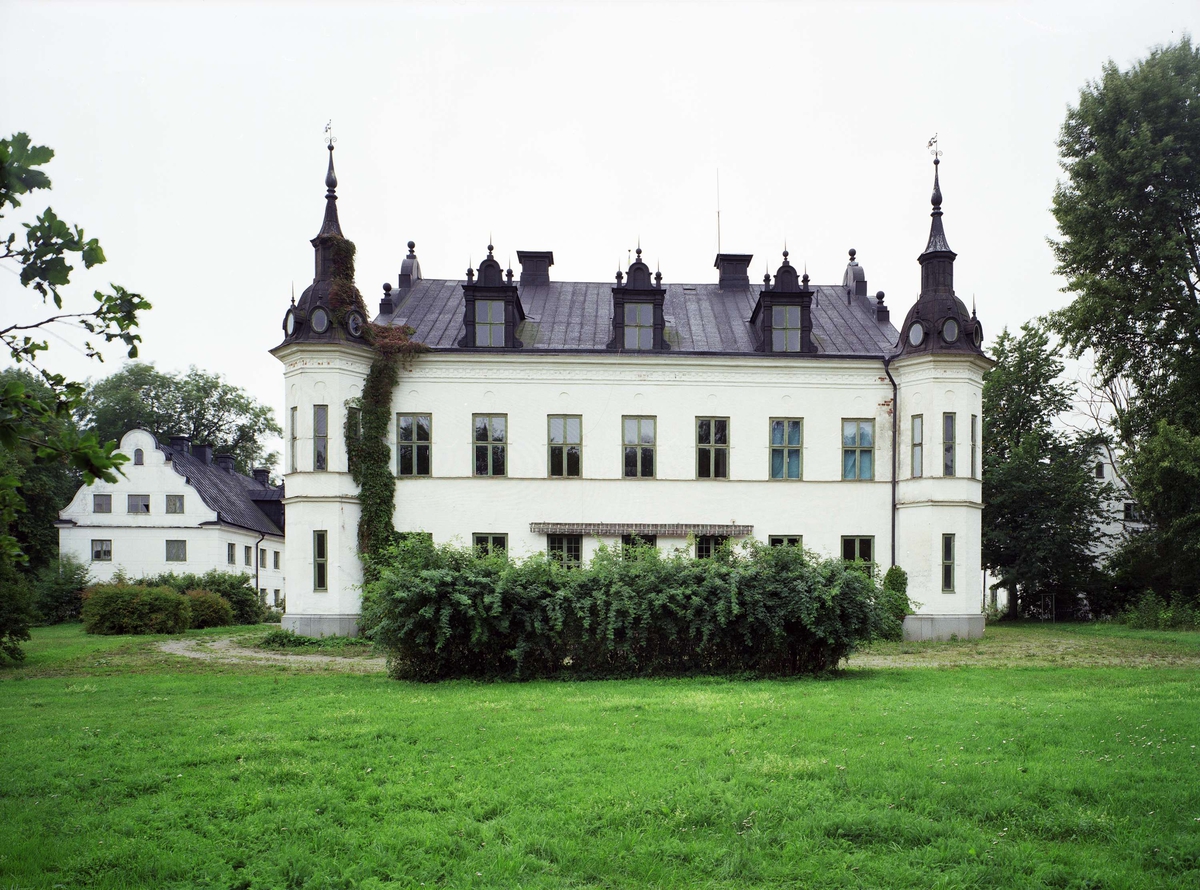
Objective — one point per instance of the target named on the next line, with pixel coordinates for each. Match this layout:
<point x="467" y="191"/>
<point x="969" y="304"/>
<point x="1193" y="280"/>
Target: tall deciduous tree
<point x="1042" y="502"/>
<point x="197" y="404"/>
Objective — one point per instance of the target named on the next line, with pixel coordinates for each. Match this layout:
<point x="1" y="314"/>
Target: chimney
<point x="225" y="462"/>
<point x="535" y="266"/>
<point x="733" y="270"/>
<point x="855" y="279"/>
<point x="203" y="453"/>
<point x="262" y="476"/>
<point x="181" y="443"/>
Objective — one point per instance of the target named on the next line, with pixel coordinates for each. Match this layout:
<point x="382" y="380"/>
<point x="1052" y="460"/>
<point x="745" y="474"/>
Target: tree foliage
<point x="1042" y="502"/>
<point x="197" y="404"/>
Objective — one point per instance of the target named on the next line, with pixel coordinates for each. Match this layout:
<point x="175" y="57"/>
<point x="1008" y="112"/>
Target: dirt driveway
<point x="229" y="650"/>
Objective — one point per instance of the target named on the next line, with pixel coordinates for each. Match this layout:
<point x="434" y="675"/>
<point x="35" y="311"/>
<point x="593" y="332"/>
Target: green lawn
<point x="1042" y="756"/>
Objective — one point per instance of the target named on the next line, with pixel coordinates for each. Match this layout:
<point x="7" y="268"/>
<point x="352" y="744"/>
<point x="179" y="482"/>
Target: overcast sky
<point x="189" y="140"/>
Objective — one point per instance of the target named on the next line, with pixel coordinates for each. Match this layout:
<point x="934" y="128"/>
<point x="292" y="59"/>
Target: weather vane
<point x="933" y="147"/>
<point x="330" y="138"/>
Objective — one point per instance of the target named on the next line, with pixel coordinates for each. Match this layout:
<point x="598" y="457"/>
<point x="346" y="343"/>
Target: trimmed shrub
<point x="894" y="605"/>
<point x="1152" y="612"/>
<point x="441" y="612"/>
<point x="134" y="609"/>
<point x="58" y="591"/>
<point x="209" y="609"/>
<point x="237" y="588"/>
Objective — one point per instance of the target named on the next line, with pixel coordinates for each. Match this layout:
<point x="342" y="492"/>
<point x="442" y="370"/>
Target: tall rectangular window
<point x="292" y="443"/>
<point x="974" y="446"/>
<point x="353" y="434"/>
<point x="859" y="550"/>
<point x="486" y="542"/>
<point x="262" y="558"/>
<point x="176" y="551"/>
<point x="947" y="563"/>
<point x="414" y="444"/>
<point x="277" y="596"/>
<point x="174" y="503"/>
<point x="231" y="554"/>
<point x="320" y="560"/>
<point x="489" y="322"/>
<point x="639" y="325"/>
<point x="567" y="549"/>
<point x="918" y="446"/>
<point x="712" y="447"/>
<point x="102" y="550"/>
<point x="707" y="545"/>
<point x="858" y="449"/>
<point x="787" y="445"/>
<point x="102" y="503"/>
<point x="248" y="554"/>
<point x="948" y="444"/>
<point x="565" y="441"/>
<point x="276" y="558"/>
<point x="138" y="503"/>
<point x="785" y="328"/>
<point x="491" y="444"/>
<point x="638" y="446"/>
<point x="320" y="437"/>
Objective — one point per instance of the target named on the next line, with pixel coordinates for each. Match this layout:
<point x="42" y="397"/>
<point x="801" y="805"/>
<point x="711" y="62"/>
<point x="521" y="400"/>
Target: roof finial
<point x="293" y="293"/>
<point x="330" y="139"/>
<point x="936" y="199"/>
<point x="973" y="315"/>
<point x="412" y="248"/>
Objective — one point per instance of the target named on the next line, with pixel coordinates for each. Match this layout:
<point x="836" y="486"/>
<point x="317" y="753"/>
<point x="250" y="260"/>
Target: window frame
<point x="129" y="502"/>
<point x="712" y="449"/>
<point x="949" y="444"/>
<point x="560" y="547"/>
<point x="858" y="449"/>
<point x="707" y="545"/>
<point x="785" y="540"/>
<point x="262" y="557"/>
<point x="176" y="541"/>
<point x="564" y="447"/>
<point x="490" y="444"/>
<point x="97" y="499"/>
<point x="787" y="329"/>
<point x="485" y="542"/>
<point x="320" y="441"/>
<point x="248" y="554"/>
<point x="177" y="500"/>
<point x="628" y="542"/>
<point x="490" y="324"/>
<point x="974" y="446"/>
<point x="416" y="444"/>
<point x="785" y="448"/>
<point x="638" y="327"/>
<point x="320" y="553"/>
<point x="231" y="553"/>
<point x="105" y="548"/>
<point x="275" y="560"/>
<point x="948" y="546"/>
<point x="139" y="457"/>
<point x="639" y="447"/>
<point x="916" y="461"/>
<point x="293" y="440"/>
<point x="858" y="559"/>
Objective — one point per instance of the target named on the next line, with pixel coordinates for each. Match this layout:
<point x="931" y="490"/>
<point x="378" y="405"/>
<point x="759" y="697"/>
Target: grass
<point x="1076" y="767"/>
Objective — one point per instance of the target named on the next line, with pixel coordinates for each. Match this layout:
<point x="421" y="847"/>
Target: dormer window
<point x="639" y="325"/>
<point x="782" y="318"/>
<point x="491" y="307"/>
<point x="785" y="328"/>
<point x="638" y="321"/>
<point x="489" y="322"/>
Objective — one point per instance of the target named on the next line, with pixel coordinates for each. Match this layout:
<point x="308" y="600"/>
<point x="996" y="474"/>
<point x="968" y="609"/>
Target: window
<point x="138" y="503"/>
<point x="414" y="437"/>
<point x="138" y="457"/>
<point x="102" y="503"/>
<point x="565" y="441"/>
<point x="858" y="443"/>
<point x="489" y="322"/>
<point x="262" y="595"/>
<point x="1132" y="512"/>
<point x="639" y="325"/>
<point x="354" y="423"/>
<point x="247" y="554"/>
<point x="276" y="596"/>
<point x="567" y="549"/>
<point x="785" y="328"/>
<point x="628" y="541"/>
<point x="1099" y="467"/>
<point x="859" y="550"/>
<point x="638" y="447"/>
<point x="262" y="558"/>
<point x="707" y="545"/>
<point x="491" y="444"/>
<point x="948" y="444"/>
<point x="918" y="446"/>
<point x="176" y="551"/>
<point x="292" y="443"/>
<point x="174" y="503"/>
<point x="101" y="551"/>
<point x="276" y="559"/>
<point x="486" y="542"/>
<point x="320" y="560"/>
<point x="787" y="442"/>
<point x="786" y="540"/>
<point x="231" y="553"/>
<point x="712" y="447"/>
<point x="320" y="437"/>
<point x="974" y="445"/>
<point x="947" y="563"/>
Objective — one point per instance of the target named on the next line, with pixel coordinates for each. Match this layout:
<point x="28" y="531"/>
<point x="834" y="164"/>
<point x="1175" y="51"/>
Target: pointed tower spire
<point x="330" y="225"/>
<point x="937" y="260"/>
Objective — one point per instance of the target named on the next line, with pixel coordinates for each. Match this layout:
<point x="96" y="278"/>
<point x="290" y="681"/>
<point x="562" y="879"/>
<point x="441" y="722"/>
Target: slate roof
<point x="230" y="494"/>
<point x="700" y="318"/>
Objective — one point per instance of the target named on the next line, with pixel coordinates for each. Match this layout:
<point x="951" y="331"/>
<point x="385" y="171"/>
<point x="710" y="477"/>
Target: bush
<point x="1153" y="612"/>
<point x="16" y="612"/>
<point x="441" y="612"/>
<point x="272" y="616"/>
<point x="237" y="588"/>
<point x="58" y="591"/>
<point x="894" y="605"/>
<point x="135" y="609"/>
<point x="209" y="609"/>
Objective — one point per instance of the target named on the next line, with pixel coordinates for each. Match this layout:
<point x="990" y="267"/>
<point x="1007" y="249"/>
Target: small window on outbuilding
<point x="1099" y="469"/>
<point x="138" y="457"/>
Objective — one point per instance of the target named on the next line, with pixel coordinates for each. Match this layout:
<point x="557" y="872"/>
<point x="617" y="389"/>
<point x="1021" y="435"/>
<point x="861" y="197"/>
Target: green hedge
<point x="209" y="609"/>
<point x="1153" y="612"/>
<point x="135" y="609"/>
<point x="236" y="587"/>
<point x="441" y="612"/>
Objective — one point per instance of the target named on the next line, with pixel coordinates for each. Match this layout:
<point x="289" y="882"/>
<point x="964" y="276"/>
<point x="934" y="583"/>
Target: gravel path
<point x="227" y="650"/>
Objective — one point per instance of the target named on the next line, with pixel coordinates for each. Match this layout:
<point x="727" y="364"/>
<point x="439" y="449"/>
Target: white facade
<point x="137" y="536"/>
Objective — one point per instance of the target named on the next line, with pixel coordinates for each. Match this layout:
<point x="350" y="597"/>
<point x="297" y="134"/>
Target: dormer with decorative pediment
<point x="492" y="308"/>
<point x="782" y="316"/>
<point x="638" y="322"/>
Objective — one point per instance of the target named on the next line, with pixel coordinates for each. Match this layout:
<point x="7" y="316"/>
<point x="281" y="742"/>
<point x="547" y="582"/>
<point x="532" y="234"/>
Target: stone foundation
<point x="322" y="625"/>
<point x="942" y="627"/>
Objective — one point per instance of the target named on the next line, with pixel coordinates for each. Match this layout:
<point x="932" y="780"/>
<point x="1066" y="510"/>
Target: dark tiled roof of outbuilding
<point x="230" y="494"/>
<point x="700" y="318"/>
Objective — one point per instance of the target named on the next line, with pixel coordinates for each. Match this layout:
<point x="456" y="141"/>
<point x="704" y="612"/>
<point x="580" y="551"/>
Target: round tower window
<point x="320" y="321"/>
<point x="916" y="334"/>
<point x="950" y="330"/>
<point x="978" y="334"/>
